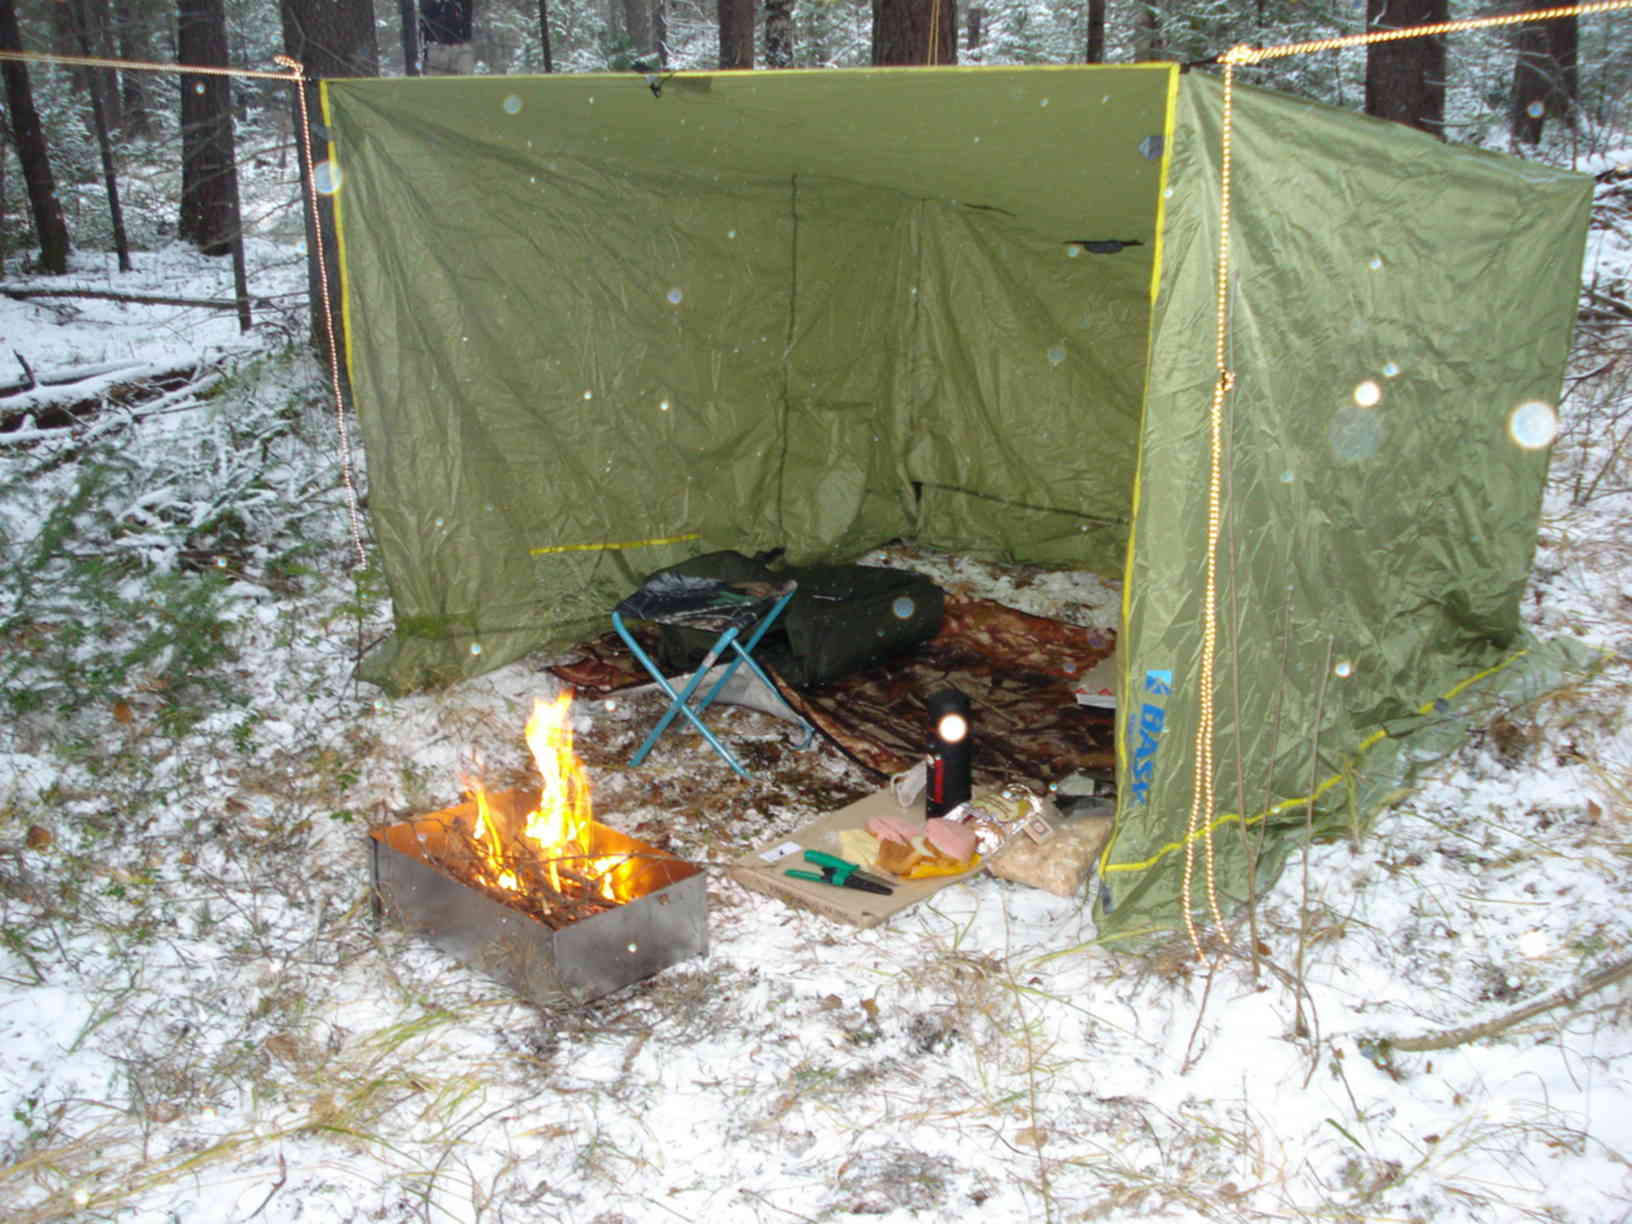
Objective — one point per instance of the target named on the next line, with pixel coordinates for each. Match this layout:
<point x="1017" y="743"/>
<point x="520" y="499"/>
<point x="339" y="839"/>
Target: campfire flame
<point x="560" y="832"/>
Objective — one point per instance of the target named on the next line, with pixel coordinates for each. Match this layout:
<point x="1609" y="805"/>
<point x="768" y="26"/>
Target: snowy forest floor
<point x="200" y="1020"/>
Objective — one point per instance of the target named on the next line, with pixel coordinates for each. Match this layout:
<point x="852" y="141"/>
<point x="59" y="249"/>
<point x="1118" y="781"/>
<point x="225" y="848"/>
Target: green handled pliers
<point x="841" y="874"/>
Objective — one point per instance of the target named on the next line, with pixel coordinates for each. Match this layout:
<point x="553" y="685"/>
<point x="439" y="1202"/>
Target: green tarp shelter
<point x="597" y="324"/>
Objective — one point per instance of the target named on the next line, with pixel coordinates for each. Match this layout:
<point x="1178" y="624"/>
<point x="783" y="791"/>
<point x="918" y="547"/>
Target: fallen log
<point x="46" y="412"/>
<point x="135" y="299"/>
<point x="1567" y="996"/>
<point x="63" y="404"/>
<point x="56" y="378"/>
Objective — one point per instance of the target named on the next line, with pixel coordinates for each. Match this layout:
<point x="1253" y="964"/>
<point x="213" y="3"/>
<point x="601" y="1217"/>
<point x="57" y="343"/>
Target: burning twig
<point x="467" y="860"/>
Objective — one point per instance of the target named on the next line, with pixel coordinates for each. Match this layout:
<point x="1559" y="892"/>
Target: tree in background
<point x="1148" y="43"/>
<point x="78" y="10"/>
<point x="408" y="20"/>
<point x="1095" y="53"/>
<point x="915" y="32"/>
<point x="85" y="27"/>
<point x="134" y="38"/>
<point x="1405" y="80"/>
<point x="28" y="137"/>
<point x="637" y="21"/>
<point x="330" y="38"/>
<point x="1545" y="79"/>
<point x="779" y="33"/>
<point x="445" y="29"/>
<point x="736" y="33"/>
<point x="209" y="194"/>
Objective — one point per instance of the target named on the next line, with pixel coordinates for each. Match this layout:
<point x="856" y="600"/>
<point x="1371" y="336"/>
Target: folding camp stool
<point x="740" y="612"/>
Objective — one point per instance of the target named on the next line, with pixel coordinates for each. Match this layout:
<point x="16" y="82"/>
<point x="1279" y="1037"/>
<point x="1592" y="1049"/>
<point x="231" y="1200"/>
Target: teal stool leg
<point x="679" y="702"/>
<point x="744" y="650"/>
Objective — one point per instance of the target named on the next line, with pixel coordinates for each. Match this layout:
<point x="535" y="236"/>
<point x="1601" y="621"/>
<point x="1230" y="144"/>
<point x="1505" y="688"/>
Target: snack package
<point x="1061" y="862"/>
<point x="1015" y="811"/>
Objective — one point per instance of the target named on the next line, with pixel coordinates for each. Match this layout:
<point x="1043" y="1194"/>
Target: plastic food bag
<point x="1062" y="861"/>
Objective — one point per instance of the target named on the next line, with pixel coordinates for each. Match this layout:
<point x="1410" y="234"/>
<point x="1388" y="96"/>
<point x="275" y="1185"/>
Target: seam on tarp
<point x="914" y="70"/>
<point x="1103" y="520"/>
<point x="787" y="358"/>
<point x="915" y="238"/>
<point x="1370" y="742"/>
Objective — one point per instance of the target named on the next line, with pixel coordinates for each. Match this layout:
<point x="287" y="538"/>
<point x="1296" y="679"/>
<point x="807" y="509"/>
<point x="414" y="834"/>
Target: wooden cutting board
<point x="763" y="869"/>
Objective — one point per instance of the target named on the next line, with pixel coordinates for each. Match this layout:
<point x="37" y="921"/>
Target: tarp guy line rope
<point x="1244" y="54"/>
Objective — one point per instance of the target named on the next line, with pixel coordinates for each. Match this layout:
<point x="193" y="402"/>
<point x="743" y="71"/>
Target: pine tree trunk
<point x="207" y="214"/>
<point x="99" y="122"/>
<point x="637" y="19"/>
<point x="974" y="20"/>
<point x="1545" y="81"/>
<point x="62" y="43"/>
<point x="96" y="19"/>
<point x="33" y="154"/>
<point x="779" y="33"/>
<point x="1096" y="32"/>
<point x="134" y="43"/>
<point x="1405" y="80"/>
<point x="736" y="19"/>
<point x="915" y="32"/>
<point x="5" y="252"/>
<point x="544" y="33"/>
<point x="408" y="19"/>
<point x="330" y="38"/>
<point x="1147" y="32"/>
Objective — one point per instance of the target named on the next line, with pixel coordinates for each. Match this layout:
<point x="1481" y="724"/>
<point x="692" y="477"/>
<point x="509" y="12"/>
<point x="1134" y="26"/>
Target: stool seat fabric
<point x="667" y="598"/>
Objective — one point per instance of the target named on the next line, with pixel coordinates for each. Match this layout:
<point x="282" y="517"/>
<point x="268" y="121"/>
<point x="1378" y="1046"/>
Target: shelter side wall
<point x="1394" y="302"/>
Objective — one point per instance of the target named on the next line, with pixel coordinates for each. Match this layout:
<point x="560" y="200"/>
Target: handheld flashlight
<point x="948" y="781"/>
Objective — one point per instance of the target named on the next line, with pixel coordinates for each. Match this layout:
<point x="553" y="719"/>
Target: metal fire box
<point x="583" y="960"/>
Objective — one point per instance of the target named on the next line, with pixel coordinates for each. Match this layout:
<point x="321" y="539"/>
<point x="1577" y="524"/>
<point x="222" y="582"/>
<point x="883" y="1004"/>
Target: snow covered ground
<point x="199" y="1020"/>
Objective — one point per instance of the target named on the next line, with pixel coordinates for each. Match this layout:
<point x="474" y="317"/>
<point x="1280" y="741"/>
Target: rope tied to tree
<point x="295" y="73"/>
<point x="336" y="385"/>
<point x="1245" y="54"/>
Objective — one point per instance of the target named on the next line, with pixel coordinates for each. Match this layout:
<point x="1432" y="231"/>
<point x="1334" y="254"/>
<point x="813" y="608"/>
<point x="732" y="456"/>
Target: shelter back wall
<point x="564" y="335"/>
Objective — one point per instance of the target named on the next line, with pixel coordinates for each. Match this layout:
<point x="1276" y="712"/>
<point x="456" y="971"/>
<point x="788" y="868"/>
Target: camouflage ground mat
<point x="1018" y="671"/>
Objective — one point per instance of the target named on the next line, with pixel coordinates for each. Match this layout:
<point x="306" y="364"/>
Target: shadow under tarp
<point x="1017" y="670"/>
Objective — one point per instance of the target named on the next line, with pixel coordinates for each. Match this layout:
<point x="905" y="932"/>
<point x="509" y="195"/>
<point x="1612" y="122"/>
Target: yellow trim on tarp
<point x="611" y="544"/>
<point x="1366" y="745"/>
<point x="1124" y="673"/>
<point x="339" y="233"/>
<point x="1169" y="125"/>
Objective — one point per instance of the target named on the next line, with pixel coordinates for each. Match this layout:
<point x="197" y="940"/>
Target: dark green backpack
<point x="842" y="618"/>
